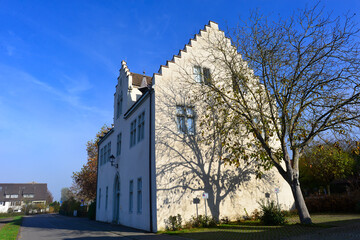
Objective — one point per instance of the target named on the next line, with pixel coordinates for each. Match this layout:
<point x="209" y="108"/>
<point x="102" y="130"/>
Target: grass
<point x="9" y="215"/>
<point x="10" y="230"/>
<point x="254" y="230"/>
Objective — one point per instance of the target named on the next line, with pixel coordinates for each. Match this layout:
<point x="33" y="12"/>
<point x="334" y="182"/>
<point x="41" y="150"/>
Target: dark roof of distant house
<point x="39" y="190"/>
<point x="137" y="79"/>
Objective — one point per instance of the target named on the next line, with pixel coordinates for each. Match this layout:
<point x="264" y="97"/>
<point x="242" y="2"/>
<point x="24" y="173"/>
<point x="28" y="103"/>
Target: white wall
<point x="133" y="162"/>
<point x="174" y="158"/>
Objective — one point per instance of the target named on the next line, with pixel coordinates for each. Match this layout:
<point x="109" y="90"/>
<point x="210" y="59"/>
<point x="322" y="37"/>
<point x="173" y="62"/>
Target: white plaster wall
<point x="171" y="88"/>
<point x="4" y="208"/>
<point x="133" y="162"/>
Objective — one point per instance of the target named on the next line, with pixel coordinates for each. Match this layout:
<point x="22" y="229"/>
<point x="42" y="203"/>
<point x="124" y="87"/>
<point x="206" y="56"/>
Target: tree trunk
<point x="214" y="209"/>
<point x="328" y="189"/>
<point x="300" y="203"/>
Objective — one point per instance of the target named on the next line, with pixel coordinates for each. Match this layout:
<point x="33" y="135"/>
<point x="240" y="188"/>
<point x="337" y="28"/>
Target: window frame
<point x="141" y="126"/>
<point x="131" y="196"/>
<point x="118" y="144"/>
<point x="139" y="195"/>
<point x="183" y="117"/>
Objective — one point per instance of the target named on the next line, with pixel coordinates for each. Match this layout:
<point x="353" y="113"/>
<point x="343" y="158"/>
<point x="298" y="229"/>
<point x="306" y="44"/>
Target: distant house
<point x="15" y="195"/>
<point x="154" y="162"/>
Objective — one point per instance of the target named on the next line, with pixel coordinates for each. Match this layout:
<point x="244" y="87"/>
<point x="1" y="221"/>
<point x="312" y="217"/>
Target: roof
<point x="137" y="79"/>
<point x="39" y="190"/>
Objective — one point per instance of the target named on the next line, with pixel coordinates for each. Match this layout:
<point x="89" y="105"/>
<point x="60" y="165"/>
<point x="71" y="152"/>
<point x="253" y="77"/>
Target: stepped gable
<point x="125" y="67"/>
<point x="211" y="24"/>
<point x="137" y="79"/>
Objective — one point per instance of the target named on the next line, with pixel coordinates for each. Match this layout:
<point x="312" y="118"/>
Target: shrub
<point x="92" y="211"/>
<point x="224" y="220"/>
<point x="333" y="203"/>
<point x="67" y="207"/>
<point x="255" y="215"/>
<point x="271" y="214"/>
<point x="173" y="223"/>
<point x="201" y="222"/>
<point x="292" y="212"/>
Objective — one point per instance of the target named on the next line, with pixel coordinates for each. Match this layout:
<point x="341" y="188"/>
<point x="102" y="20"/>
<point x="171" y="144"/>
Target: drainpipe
<point x="150" y="147"/>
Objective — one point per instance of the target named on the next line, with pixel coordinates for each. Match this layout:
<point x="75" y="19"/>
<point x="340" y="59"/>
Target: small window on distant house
<point x="14" y="196"/>
<point x="7" y="196"/>
<point x="139" y="195"/>
<point x="28" y="195"/>
<point x="106" y="197"/>
<point x="185" y="120"/>
<point x="202" y="75"/>
<point x="141" y="126"/>
<point x="131" y="196"/>
<point x="133" y="133"/>
<point x="0" y="188"/>
<point x="118" y="145"/>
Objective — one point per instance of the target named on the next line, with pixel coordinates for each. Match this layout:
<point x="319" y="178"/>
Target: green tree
<point x="296" y="79"/>
<point x="84" y="181"/>
<point x="322" y="164"/>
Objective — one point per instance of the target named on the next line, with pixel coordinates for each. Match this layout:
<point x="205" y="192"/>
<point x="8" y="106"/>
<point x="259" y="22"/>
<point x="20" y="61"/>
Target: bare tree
<point x="194" y="156"/>
<point x="303" y="83"/>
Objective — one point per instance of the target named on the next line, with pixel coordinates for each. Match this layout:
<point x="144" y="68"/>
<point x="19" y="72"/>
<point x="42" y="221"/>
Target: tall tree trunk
<point x="328" y="189"/>
<point x="300" y="202"/>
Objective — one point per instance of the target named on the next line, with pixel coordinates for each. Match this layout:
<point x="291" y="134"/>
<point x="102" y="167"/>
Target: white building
<point x="13" y="196"/>
<point x="154" y="161"/>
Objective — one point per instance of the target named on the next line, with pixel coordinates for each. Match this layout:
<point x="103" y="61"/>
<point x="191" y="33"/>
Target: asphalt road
<point x="56" y="227"/>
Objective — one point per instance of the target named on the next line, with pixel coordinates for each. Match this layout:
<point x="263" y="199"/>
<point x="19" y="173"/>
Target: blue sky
<point x="59" y="62"/>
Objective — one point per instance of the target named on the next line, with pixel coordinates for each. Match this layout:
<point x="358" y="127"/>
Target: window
<point x="105" y="154"/>
<point x="131" y="193"/>
<point x="197" y="74"/>
<point x="28" y="195"/>
<point x="119" y="105"/>
<point x="14" y="196"/>
<point x="185" y="119"/>
<point x="102" y="156"/>
<point x="7" y="196"/>
<point x="139" y="195"/>
<point x="202" y="75"/>
<point x="99" y="197"/>
<point x="118" y="145"/>
<point x="141" y="126"/>
<point x="106" y="197"/>
<point x="133" y="133"/>
<point x="109" y="152"/>
<point x="206" y="74"/>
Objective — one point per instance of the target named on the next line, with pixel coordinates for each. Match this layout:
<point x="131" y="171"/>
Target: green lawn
<point x="10" y="230"/>
<point x="256" y="231"/>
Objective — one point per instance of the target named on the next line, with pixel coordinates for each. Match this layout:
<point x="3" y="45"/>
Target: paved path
<point x="56" y="227"/>
<point x="349" y="231"/>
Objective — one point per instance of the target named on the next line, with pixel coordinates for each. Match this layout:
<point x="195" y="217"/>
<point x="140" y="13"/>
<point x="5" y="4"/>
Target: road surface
<point x="57" y="227"/>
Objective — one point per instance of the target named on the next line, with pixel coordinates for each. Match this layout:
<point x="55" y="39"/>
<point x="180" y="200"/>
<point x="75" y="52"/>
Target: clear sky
<point x="59" y="62"/>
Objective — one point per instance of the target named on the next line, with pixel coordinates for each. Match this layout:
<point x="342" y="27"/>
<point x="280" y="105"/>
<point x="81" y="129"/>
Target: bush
<point x="173" y="223"/>
<point x="271" y="214"/>
<point x="201" y="222"/>
<point x="224" y="220"/>
<point x="92" y="211"/>
<point x="333" y="203"/>
<point x="67" y="207"/>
